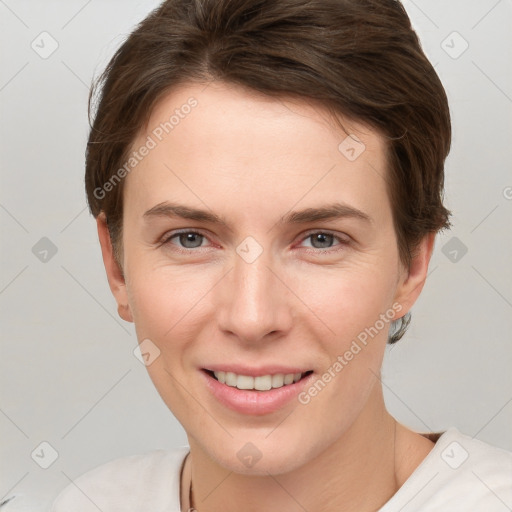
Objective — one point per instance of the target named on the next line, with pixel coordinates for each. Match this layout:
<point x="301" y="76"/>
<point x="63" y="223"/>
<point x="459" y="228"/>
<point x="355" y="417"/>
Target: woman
<point x="267" y="180"/>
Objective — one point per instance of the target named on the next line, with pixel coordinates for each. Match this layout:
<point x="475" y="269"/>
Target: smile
<point x="258" y="383"/>
<point x="266" y="391"/>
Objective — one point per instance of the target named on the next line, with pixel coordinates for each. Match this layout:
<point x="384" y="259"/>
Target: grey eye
<point x="190" y="240"/>
<point x="321" y="240"/>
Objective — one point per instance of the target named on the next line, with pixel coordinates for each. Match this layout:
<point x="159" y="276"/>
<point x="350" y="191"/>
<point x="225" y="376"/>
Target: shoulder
<point x="459" y="474"/>
<point x="470" y="460"/>
<point x="127" y="483"/>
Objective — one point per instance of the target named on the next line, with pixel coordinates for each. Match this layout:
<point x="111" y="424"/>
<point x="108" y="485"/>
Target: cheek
<point x="349" y="300"/>
<point x="167" y="310"/>
<point x="358" y="307"/>
<point x="167" y="305"/>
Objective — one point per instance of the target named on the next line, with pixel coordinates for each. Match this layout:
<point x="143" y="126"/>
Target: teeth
<point x="277" y="380"/>
<point x="262" y="383"/>
<point x="231" y="379"/>
<point x="244" y="382"/>
<point x="288" y="378"/>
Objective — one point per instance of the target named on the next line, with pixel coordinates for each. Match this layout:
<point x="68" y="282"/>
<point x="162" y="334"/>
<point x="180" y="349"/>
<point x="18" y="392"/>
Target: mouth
<point x="257" y="383"/>
<point x="266" y="391"/>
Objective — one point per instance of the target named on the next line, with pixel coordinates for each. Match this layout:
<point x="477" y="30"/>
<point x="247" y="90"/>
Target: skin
<point x="251" y="160"/>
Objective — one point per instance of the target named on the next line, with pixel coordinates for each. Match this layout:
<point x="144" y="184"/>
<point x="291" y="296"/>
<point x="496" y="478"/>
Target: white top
<point x="460" y="474"/>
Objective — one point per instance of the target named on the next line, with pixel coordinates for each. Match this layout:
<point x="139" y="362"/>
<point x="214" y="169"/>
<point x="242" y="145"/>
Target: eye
<point x="324" y="240"/>
<point x="321" y="240"/>
<point x="186" y="240"/>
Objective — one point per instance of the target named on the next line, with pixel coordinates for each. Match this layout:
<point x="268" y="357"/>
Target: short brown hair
<point x="358" y="58"/>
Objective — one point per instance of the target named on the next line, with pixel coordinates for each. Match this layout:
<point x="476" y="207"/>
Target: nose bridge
<point x="253" y="303"/>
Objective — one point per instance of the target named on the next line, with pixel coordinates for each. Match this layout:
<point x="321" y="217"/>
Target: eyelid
<point x="174" y="232"/>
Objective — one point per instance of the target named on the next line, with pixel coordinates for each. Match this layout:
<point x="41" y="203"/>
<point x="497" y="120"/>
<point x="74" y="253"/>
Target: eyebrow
<point x="328" y="212"/>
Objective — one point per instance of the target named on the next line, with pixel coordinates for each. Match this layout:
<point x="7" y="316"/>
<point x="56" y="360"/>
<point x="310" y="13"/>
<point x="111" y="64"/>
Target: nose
<point x="253" y="303"/>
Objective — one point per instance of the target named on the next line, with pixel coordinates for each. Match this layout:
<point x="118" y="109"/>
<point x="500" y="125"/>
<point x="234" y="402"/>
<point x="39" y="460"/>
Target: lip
<point x="252" y="402"/>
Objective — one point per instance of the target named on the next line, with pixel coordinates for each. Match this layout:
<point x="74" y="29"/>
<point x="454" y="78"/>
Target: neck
<point x="375" y="455"/>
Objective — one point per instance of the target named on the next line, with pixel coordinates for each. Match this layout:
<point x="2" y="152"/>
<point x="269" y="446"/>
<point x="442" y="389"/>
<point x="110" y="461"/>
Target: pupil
<point x="322" y="238"/>
<point x="187" y="238"/>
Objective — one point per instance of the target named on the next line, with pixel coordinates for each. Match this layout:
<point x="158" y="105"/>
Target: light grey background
<point x="68" y="374"/>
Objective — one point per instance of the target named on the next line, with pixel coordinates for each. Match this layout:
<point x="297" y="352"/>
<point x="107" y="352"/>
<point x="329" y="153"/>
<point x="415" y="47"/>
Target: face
<point x="258" y="241"/>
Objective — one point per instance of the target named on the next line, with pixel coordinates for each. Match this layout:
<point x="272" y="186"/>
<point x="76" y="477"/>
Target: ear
<point x="115" y="275"/>
<point x="411" y="282"/>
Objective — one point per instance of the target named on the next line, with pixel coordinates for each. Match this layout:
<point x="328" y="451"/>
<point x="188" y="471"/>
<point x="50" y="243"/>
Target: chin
<point x="275" y="465"/>
<point x="261" y="458"/>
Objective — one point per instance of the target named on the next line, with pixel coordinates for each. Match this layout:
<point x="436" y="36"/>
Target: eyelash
<point x="341" y="245"/>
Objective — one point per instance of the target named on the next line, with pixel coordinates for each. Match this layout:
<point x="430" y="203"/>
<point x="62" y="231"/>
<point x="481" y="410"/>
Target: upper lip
<point x="256" y="372"/>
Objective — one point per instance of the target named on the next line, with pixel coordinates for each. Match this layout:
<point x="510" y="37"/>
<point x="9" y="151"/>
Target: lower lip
<point x="254" y="402"/>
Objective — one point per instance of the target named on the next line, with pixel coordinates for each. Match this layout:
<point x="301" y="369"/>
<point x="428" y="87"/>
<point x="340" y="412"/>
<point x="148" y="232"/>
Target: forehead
<point x="239" y="148"/>
<point x="230" y="109"/>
